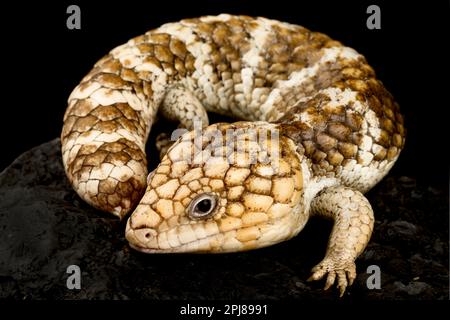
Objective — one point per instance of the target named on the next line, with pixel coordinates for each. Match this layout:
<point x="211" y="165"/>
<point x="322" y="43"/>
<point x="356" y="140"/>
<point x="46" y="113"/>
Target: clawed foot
<point x="344" y="272"/>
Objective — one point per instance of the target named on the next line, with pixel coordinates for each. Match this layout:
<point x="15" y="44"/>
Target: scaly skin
<point x="332" y="131"/>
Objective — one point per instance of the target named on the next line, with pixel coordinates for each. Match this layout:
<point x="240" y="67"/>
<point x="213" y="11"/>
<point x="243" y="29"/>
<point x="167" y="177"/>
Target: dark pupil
<point x="204" y="206"/>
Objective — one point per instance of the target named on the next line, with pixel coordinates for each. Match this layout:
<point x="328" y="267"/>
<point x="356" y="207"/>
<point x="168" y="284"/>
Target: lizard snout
<point x="140" y="235"/>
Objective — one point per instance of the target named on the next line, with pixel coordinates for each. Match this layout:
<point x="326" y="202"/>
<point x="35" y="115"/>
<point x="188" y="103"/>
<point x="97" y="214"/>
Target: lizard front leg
<point x="353" y="225"/>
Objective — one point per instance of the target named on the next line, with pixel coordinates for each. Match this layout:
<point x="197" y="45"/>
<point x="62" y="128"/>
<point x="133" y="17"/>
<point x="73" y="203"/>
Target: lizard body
<point x="318" y="131"/>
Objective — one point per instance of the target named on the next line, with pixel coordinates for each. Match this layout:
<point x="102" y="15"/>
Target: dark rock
<point x="402" y="228"/>
<point x="438" y="247"/>
<point x="45" y="227"/>
<point x="407" y="182"/>
<point x="377" y="253"/>
<point x="414" y="288"/>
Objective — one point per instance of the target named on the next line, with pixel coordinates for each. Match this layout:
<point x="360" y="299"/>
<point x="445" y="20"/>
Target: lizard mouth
<point x="215" y="244"/>
<point x="185" y="248"/>
<point x="146" y="241"/>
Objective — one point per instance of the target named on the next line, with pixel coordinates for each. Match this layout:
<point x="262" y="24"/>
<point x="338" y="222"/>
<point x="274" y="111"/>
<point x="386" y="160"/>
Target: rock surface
<point x="45" y="228"/>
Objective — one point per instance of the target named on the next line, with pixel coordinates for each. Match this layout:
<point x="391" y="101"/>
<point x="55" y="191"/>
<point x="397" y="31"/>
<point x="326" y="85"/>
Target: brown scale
<point x="81" y="117"/>
<point x="336" y="133"/>
<point x="291" y="50"/>
<point x="228" y="42"/>
<point x="288" y="51"/>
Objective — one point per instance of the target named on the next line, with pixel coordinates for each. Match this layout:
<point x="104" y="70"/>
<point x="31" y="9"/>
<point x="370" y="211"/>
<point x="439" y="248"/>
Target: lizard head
<point x="233" y="187"/>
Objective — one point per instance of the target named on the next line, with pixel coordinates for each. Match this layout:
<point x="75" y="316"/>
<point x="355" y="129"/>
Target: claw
<point x="344" y="273"/>
<point x="330" y="280"/>
<point x="318" y="274"/>
<point x="351" y="276"/>
<point x="342" y="281"/>
<point x="313" y="278"/>
<point x="341" y="291"/>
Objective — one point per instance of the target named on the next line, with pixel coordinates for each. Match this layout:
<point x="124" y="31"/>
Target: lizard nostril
<point x="148" y="235"/>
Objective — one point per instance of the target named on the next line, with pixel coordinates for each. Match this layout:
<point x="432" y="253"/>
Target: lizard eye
<point x="202" y="206"/>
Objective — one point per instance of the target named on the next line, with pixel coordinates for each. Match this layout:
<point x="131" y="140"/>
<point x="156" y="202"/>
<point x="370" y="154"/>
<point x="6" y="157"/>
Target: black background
<point x="43" y="60"/>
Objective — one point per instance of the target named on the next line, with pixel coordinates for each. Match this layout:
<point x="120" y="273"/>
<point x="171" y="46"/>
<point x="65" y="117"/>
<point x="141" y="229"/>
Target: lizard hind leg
<point x="182" y="106"/>
<point x="353" y="225"/>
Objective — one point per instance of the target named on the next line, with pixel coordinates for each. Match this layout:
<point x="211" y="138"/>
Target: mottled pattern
<point x="251" y="196"/>
<point x="338" y="133"/>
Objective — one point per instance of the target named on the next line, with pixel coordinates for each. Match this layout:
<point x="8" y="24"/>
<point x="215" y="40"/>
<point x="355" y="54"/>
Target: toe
<point x="319" y="272"/>
<point x="342" y="281"/>
<point x="351" y="276"/>
<point x="342" y="274"/>
<point x="330" y="280"/>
